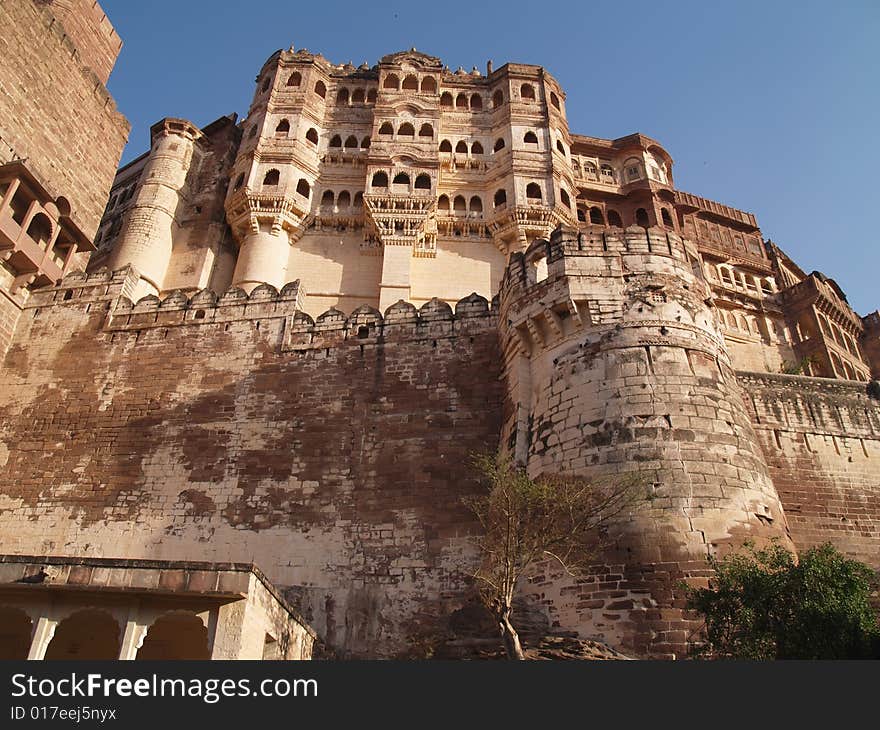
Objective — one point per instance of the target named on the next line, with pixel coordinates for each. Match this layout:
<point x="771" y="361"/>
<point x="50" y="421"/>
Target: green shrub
<point x="764" y="604"/>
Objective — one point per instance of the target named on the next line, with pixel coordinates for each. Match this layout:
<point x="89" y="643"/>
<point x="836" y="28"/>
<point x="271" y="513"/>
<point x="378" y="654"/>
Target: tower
<point x="615" y="366"/>
<point x="152" y="223"/>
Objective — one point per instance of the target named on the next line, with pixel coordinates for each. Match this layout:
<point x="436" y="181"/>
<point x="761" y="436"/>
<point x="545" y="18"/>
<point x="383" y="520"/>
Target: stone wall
<point x="821" y="440"/>
<point x="97" y="43"/>
<point x="332" y="453"/>
<point x="56" y="113"/>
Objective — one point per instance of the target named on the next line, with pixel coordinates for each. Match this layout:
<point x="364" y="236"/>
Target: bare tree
<point x="558" y="517"/>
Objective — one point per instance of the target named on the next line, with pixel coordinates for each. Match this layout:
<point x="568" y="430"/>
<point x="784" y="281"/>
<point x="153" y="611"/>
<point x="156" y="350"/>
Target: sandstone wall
<point x="333" y="454"/>
<point x="56" y="113"/>
<point x="821" y="440"/>
<point x="97" y="43"/>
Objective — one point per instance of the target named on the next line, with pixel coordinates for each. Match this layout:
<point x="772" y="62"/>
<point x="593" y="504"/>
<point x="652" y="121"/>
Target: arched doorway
<point x="177" y="635"/>
<point x="15" y="633"/>
<point x="86" y="634"/>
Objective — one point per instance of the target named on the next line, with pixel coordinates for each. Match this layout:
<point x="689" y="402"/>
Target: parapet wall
<point x="821" y="441"/>
<point x="331" y="453"/>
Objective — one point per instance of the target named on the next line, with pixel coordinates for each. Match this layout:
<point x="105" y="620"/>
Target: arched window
<point x="667" y="219"/>
<point x="87" y="634"/>
<point x="344" y="200"/>
<point x="476" y="101"/>
<point x="476" y="204"/>
<point x="401" y="178"/>
<point x="365" y="143"/>
<point x="560" y="146"/>
<point x="500" y="197"/>
<point x="40" y="229"/>
<point x="429" y="86"/>
<point x="358" y="96"/>
<point x="554" y="100"/>
<point x="411" y="83"/>
<point x="178" y="635"/>
<point x="476" y="148"/>
<point x="15" y="633"/>
<point x="614" y="219"/>
<point x="443" y="203"/>
<point x="446" y="146"/>
<point x="461" y="147"/>
<point x="497" y="99"/>
<point x="380" y="180"/>
<point x="303" y="187"/>
<point x="327" y="199"/>
<point x="351" y="142"/>
<point x="342" y="96"/>
<point x="530" y="138"/>
<point x="423" y="182"/>
<point x="461" y="101"/>
<point x="312" y="135"/>
<point x="527" y="91"/>
<point x="446" y="99"/>
<point x="563" y="196"/>
<point x="282" y="129"/>
<point x="358" y="200"/>
<point x="499" y="144"/>
<point x="295" y="79"/>
<point x="271" y="178"/>
<point x="533" y="191"/>
<point x="607" y="171"/>
<point x="406" y="130"/>
<point x="590" y="169"/>
<point x="321" y="89"/>
<point x="459" y="207"/>
<point x="596" y="217"/>
<point x="391" y="82"/>
<point x="582" y="216"/>
<point x="371" y="96"/>
<point x="386" y="129"/>
<point x="642" y="218"/>
<point x="336" y="141"/>
<point x="239" y="181"/>
<point x="426" y="130"/>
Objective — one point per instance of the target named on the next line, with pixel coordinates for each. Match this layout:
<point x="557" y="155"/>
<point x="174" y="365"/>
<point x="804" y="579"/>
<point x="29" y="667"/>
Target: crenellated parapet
<point x="205" y="308"/>
<point x="401" y="321"/>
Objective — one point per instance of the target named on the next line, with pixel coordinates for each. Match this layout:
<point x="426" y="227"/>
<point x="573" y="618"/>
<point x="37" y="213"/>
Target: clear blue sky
<point x="770" y="107"/>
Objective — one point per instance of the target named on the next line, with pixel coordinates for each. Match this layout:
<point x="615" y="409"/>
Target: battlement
<point x="565" y="245"/>
<point x="435" y="319"/>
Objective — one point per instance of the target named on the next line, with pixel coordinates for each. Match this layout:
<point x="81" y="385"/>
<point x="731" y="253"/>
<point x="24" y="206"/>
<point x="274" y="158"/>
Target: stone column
<point x="262" y="259"/>
<point x="43" y="634"/>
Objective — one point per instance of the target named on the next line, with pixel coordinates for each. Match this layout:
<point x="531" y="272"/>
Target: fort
<point x="238" y="404"/>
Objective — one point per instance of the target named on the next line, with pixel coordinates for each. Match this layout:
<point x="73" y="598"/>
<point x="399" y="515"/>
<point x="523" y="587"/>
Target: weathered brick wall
<point x="821" y="440"/>
<point x="332" y="454"/>
<point x="56" y="113"/>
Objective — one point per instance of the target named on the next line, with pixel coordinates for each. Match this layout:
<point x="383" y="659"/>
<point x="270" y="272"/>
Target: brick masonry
<point x="333" y="454"/>
<point x="55" y="112"/>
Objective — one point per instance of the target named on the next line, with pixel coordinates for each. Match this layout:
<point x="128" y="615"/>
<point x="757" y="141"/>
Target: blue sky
<point x="769" y="107"/>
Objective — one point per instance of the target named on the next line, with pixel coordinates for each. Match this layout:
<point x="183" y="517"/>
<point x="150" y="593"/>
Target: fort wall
<point x="821" y="441"/>
<point x="330" y="452"/>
